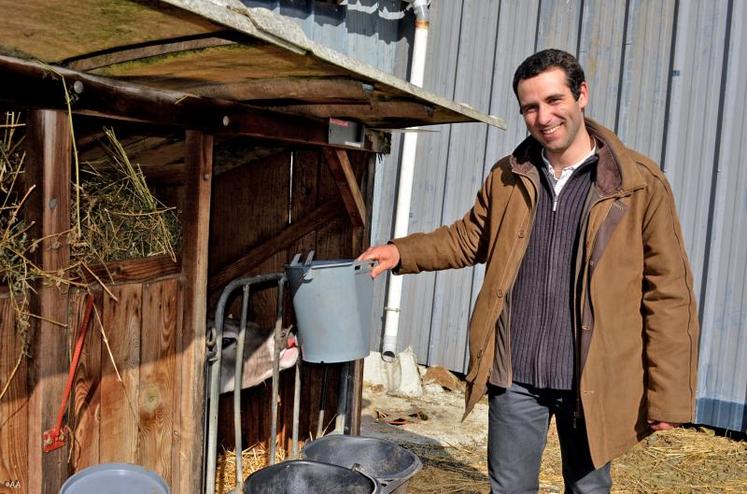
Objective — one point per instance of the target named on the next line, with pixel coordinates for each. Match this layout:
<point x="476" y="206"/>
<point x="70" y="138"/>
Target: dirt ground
<point x="453" y="452"/>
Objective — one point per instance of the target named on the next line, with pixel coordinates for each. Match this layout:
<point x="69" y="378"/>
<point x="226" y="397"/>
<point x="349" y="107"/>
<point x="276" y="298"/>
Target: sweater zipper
<point x="549" y="280"/>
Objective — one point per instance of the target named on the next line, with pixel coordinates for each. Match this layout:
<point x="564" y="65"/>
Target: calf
<point x="259" y="349"/>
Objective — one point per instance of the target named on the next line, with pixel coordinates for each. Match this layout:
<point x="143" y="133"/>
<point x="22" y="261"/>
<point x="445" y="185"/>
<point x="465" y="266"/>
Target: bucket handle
<point x="296" y="261"/>
<point x="357" y="468"/>
<point x="362" y="267"/>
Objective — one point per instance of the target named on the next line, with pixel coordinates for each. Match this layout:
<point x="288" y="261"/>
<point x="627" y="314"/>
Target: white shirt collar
<point x="568" y="170"/>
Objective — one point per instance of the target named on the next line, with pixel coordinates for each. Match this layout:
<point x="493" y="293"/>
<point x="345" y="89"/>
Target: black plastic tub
<point x="390" y="464"/>
<point x="301" y="476"/>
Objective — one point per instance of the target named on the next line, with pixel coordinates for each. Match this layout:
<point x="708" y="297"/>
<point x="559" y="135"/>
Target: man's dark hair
<point x="548" y="59"/>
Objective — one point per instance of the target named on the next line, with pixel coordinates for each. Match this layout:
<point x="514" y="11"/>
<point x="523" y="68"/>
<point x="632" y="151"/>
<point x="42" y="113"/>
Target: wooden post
<point x="189" y="441"/>
<point x="361" y="241"/>
<point x="50" y="143"/>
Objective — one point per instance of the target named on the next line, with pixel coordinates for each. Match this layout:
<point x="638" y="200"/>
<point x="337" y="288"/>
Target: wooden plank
<point x="157" y="377"/>
<point x="48" y="34"/>
<point x="289" y="235"/>
<point x="188" y="438"/>
<point x="29" y="84"/>
<point x="404" y="113"/>
<point x="304" y="197"/>
<point x="14" y="427"/>
<point x="362" y="165"/>
<point x="86" y="396"/>
<point x="249" y="205"/>
<point x="127" y="54"/>
<point x="118" y="440"/>
<point x="339" y="165"/>
<point x="133" y="270"/>
<point x="49" y="163"/>
<point x="313" y="89"/>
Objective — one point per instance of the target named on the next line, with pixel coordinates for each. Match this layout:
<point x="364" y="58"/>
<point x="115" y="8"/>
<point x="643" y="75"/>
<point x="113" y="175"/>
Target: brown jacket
<point x="636" y="322"/>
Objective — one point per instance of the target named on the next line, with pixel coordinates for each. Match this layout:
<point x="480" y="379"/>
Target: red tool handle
<point x="54" y="438"/>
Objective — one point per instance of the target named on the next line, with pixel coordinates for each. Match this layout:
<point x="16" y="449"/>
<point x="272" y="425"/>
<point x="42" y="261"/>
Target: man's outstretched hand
<point x="386" y="255"/>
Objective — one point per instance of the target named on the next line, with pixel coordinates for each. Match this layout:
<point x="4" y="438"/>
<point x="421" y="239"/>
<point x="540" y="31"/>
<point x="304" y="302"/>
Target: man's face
<point x="552" y="115"/>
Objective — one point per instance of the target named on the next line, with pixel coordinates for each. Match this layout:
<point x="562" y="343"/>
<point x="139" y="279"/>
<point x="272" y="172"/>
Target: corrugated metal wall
<point x="669" y="76"/>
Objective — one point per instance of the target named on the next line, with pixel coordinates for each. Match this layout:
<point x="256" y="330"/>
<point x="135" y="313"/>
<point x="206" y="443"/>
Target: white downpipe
<point x="406" y="173"/>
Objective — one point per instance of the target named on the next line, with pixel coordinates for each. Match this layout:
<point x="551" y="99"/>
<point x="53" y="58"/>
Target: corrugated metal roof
<point x="219" y="48"/>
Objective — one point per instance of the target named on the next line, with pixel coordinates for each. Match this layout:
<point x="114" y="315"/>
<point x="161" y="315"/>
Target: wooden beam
<point x="33" y="85"/>
<point x="365" y="110"/>
<point x="130" y="53"/>
<point x="50" y="161"/>
<point x="307" y="89"/>
<point x="339" y="165"/>
<point x="289" y="235"/>
<point x="187" y="456"/>
<point x="356" y="398"/>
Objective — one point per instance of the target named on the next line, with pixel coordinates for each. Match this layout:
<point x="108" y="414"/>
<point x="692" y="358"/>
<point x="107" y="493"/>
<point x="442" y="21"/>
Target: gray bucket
<point x="332" y="301"/>
<point x="389" y="463"/>
<point x="297" y="476"/>
<point x="115" y="478"/>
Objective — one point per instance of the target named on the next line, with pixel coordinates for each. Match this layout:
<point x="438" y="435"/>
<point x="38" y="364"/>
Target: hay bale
<point x="118" y="216"/>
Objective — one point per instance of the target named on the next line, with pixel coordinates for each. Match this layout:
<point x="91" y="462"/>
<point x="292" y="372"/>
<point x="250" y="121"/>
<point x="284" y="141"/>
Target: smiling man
<point x="586" y="312"/>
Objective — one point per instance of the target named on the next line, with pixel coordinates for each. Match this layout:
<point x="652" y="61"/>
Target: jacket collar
<point x="616" y="169"/>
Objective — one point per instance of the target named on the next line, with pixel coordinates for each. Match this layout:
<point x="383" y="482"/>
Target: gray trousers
<point x="518" y="421"/>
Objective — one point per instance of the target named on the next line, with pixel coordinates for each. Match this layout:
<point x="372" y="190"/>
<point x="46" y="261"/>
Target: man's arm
<point x="463" y="243"/>
<point x="670" y="318"/>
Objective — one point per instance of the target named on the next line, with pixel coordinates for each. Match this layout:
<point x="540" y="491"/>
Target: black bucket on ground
<point x="390" y="464"/>
<point x="296" y="476"/>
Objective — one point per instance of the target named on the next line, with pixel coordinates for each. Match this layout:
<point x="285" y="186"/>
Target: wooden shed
<point x="265" y="142"/>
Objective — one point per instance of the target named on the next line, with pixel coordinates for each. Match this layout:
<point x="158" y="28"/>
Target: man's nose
<point x="543" y="115"/>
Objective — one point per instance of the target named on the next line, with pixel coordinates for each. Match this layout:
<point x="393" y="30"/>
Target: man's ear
<point x="583" y="95"/>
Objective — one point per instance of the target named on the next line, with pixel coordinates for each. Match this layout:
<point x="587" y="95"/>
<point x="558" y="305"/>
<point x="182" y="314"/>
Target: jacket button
<point x="585" y="327"/>
<point x="479" y="354"/>
<point x="522" y="233"/>
<point x="499" y="292"/>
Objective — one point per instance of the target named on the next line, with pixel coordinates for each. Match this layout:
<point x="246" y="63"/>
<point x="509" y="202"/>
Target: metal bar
<point x="296" y="406"/>
<point x="276" y="371"/>
<point x="238" y="378"/>
<point x="322" y="402"/>
<point x="214" y="343"/>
